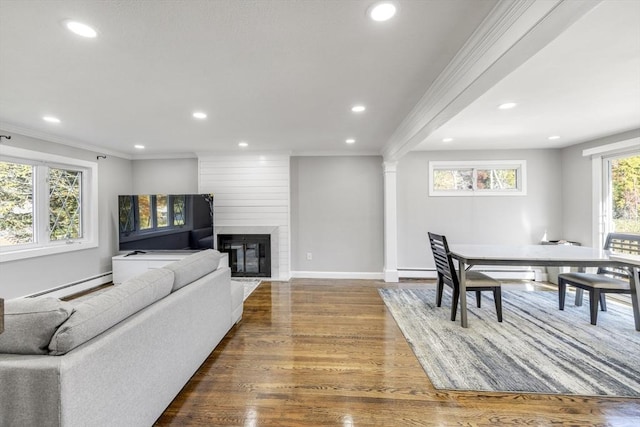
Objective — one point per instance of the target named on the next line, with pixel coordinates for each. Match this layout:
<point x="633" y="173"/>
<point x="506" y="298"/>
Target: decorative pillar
<point x="390" y="223"/>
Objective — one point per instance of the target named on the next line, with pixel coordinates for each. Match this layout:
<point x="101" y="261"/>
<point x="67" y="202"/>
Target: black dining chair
<point x="606" y="279"/>
<point x="476" y="282"/>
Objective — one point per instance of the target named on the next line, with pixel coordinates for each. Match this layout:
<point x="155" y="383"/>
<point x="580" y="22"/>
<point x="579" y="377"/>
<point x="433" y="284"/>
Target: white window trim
<point x="520" y="165"/>
<point x="600" y="155"/>
<point x="89" y="209"/>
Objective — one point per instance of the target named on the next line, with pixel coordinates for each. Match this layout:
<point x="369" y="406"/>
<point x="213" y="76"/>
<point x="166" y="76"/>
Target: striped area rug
<point x="536" y="349"/>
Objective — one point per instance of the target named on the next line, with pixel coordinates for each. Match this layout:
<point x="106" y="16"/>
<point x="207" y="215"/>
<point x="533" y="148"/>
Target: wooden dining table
<point x="582" y="257"/>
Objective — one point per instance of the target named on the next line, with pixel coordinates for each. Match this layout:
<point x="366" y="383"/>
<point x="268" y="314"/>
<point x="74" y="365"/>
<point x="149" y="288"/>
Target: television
<point x="165" y="222"/>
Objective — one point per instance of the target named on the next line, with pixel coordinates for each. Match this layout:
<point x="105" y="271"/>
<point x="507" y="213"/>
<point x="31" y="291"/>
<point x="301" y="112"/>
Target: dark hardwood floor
<point x="328" y="353"/>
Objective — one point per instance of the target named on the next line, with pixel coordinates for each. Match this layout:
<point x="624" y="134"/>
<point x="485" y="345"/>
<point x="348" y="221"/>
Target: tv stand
<point x="126" y="266"/>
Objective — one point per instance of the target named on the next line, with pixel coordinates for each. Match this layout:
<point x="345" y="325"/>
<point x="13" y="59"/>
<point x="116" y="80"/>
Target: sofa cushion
<point x="95" y="315"/>
<point x="193" y="267"/>
<point x="29" y="324"/>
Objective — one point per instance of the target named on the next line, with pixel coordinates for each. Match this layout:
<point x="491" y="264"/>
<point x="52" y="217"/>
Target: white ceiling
<point x="283" y="75"/>
<point x="583" y="85"/>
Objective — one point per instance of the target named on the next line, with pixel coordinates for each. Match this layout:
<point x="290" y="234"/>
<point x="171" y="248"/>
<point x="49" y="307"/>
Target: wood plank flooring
<point x="328" y="353"/>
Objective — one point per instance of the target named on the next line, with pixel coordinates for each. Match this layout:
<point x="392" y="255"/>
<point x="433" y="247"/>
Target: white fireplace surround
<point x="251" y="196"/>
<point x="273" y="231"/>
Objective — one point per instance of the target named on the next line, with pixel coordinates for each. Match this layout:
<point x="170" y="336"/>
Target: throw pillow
<point x="29" y="324"/>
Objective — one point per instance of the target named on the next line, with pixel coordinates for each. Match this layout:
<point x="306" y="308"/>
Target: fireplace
<point x="249" y="254"/>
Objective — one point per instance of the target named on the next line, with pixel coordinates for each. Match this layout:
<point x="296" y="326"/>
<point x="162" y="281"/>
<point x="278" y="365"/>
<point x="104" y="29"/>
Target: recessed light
<point x="51" y="119"/>
<point x="350" y="141"/>
<point x="243" y="144"/>
<point x="507" y="105"/>
<point x="382" y="11"/>
<point x="358" y="108"/>
<point x="552" y="137"/>
<point x="200" y="115"/>
<point x="139" y="147"/>
<point x="447" y="140"/>
<point x="81" y="29"/>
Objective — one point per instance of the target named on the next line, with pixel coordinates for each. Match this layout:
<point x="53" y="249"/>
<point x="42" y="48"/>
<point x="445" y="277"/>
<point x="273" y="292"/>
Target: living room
<point x="350" y="211"/>
<point x="122" y="173"/>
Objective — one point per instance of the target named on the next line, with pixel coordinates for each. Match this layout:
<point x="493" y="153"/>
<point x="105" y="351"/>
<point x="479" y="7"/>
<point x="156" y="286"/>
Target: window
<point x="48" y="204"/>
<point x="482" y="178"/>
<point x="622" y="200"/>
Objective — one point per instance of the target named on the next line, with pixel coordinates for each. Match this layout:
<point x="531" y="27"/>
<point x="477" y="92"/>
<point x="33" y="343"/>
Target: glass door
<point x="249" y="254"/>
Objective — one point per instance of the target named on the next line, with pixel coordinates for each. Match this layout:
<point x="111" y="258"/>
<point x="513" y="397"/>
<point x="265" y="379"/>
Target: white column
<point x="390" y="223"/>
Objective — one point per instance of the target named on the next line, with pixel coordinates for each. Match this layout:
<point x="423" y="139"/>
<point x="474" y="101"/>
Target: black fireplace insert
<point x="249" y="254"/>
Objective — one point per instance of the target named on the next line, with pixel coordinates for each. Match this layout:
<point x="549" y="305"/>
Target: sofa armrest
<point x="30" y="390"/>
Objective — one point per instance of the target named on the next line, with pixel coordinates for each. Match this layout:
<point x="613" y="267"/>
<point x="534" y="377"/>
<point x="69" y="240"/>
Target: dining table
<point x="582" y="257"/>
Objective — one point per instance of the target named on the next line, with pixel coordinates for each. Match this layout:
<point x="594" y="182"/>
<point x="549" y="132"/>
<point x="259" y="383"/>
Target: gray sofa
<point x="119" y="358"/>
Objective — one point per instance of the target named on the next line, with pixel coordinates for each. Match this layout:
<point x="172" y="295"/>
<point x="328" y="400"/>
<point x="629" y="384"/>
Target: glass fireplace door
<point x="249" y="255"/>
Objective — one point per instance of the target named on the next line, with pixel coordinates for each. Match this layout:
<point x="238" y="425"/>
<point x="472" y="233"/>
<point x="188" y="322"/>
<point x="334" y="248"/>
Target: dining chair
<point x="606" y="279"/>
<point x="476" y="282"/>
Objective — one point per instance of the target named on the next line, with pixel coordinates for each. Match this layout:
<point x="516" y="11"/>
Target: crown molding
<point x="248" y="154"/>
<point x="44" y="136"/>
<point x="511" y="33"/>
<point x="48" y="137"/>
<point x="335" y="153"/>
<point x="164" y="156"/>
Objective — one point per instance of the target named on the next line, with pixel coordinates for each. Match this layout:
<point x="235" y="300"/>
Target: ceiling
<point x="583" y="85"/>
<point x="283" y="76"/>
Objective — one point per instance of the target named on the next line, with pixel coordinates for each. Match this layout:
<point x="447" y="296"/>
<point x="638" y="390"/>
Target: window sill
<point x="15" y="255"/>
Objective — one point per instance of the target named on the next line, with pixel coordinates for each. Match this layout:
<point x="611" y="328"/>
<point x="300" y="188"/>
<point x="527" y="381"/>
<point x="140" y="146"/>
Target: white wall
<point x="480" y="219"/>
<point x="175" y="176"/>
<point x="23" y="277"/>
<point x="337" y="215"/>
<point x="335" y="202"/>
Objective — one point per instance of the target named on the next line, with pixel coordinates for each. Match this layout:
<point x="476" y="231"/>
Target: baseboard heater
<point x="75" y="287"/>
<point x="537" y="274"/>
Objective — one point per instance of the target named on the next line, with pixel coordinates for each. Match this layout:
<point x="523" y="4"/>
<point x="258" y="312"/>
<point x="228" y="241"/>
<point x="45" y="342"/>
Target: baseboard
<point x="336" y="275"/>
<point x="75" y="287"/>
<point x="534" y="273"/>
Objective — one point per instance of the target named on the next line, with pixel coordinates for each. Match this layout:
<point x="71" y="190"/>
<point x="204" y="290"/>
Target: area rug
<point x="536" y="349"/>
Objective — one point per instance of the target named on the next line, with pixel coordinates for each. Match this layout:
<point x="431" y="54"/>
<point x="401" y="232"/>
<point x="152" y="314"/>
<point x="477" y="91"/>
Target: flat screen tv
<point x="165" y="222"/>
